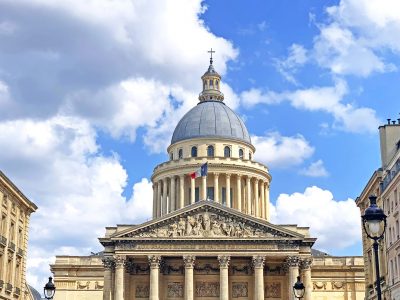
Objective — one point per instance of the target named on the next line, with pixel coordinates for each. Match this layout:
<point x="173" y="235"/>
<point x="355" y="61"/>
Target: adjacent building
<point x="15" y="210"/>
<point x="211" y="235"/>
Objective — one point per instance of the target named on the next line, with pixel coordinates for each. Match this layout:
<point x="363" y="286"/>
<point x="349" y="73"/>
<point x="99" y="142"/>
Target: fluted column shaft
<point x="216" y="188"/>
<point x="228" y="190"/>
<point x="258" y="264"/>
<point x="164" y="196"/>
<point x="248" y="189"/>
<point x="262" y="190"/>
<point x="109" y="264"/>
<point x="267" y="202"/>
<point x="172" y="195"/>
<point x="306" y="272"/>
<point x="154" y="262"/>
<point x="181" y="191"/>
<point x="203" y="188"/>
<point x="256" y="199"/>
<point x="192" y="190"/>
<point x="238" y="193"/>
<point x="159" y="198"/>
<point x="292" y="263"/>
<point x="119" y="277"/>
<point x="189" y="264"/>
<point x="223" y="277"/>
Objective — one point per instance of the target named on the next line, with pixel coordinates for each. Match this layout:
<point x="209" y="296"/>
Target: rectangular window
<point x="224" y="200"/>
<point x="210" y="193"/>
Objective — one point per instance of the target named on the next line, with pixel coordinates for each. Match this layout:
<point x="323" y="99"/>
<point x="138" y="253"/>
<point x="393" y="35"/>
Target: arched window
<point x="240" y="153"/>
<point x="227" y="151"/>
<point x="194" y="151"/>
<point x="171" y="156"/>
<point x="210" y="151"/>
<point x="250" y="155"/>
<point x="211" y="83"/>
<point x="180" y="154"/>
<point x="204" y="84"/>
<point x="217" y="84"/>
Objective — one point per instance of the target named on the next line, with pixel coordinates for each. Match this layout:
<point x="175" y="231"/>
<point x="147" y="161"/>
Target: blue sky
<point x="90" y="93"/>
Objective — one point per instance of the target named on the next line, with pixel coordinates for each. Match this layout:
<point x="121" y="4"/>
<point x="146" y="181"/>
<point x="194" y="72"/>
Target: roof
<point x="35" y="294"/>
<point x="211" y="119"/>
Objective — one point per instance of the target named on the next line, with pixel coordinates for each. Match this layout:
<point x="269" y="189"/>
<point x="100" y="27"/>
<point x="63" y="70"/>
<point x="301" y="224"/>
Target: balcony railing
<point x="3" y="241"/>
<point x="9" y="287"/>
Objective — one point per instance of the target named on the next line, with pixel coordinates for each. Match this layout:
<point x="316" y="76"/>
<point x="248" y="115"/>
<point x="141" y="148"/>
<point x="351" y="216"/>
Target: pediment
<point x="206" y="220"/>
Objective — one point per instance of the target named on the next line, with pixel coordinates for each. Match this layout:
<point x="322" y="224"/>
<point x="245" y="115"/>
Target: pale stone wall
<point x="15" y="210"/>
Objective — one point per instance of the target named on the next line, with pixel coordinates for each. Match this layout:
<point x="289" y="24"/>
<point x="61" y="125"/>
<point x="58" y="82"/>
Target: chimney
<point x="388" y="121"/>
<point x="393" y="122"/>
<point x="389" y="136"/>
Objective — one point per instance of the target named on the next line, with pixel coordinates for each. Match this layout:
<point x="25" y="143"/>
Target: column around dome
<point x="203" y="188"/>
<point x="228" y="189"/>
<point x="216" y="187"/>
<point x="192" y="190"/>
<point x="238" y="192"/>
<point x="248" y="196"/>
<point x="256" y="198"/>
<point x="181" y="191"/>
<point x="172" y="193"/>
<point x="262" y="190"/>
<point x="154" y="200"/>
<point x="158" y="206"/>
<point x="164" y="196"/>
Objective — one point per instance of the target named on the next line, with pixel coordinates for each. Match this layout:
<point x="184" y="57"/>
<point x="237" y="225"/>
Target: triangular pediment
<point x="206" y="220"/>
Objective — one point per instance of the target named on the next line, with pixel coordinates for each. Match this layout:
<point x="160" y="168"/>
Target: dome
<point x="211" y="119"/>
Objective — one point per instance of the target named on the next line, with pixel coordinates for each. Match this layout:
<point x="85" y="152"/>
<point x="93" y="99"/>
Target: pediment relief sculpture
<point x="205" y="225"/>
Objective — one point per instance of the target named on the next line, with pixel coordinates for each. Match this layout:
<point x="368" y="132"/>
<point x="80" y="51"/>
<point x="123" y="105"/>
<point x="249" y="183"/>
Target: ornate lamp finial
<point x="211" y="53"/>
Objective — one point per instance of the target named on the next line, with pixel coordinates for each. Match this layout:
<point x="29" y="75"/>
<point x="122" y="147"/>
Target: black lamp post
<point x="49" y="289"/>
<point x="374" y="223"/>
<point x="299" y="289"/>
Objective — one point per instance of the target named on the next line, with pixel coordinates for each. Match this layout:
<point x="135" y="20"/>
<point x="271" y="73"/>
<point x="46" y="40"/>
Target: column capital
<point x="108" y="262"/>
<point x="216" y="174"/>
<point x="239" y="176"/>
<point x="306" y="263"/>
<point x="292" y="261"/>
<point x="228" y="175"/>
<point x="154" y="261"/>
<point x="248" y="178"/>
<point x="182" y="176"/>
<point x="258" y="261"/>
<point x="120" y="261"/>
<point x="224" y="260"/>
<point x="188" y="260"/>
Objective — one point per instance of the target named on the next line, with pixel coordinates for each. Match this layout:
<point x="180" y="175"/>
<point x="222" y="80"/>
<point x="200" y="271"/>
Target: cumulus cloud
<point x="288" y="67"/>
<point x="315" y="169"/>
<point x="324" y="215"/>
<point x="327" y="99"/>
<point x="59" y="165"/>
<point x="277" y="151"/>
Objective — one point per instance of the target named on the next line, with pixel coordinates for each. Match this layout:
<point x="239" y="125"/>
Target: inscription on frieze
<point x="240" y="289"/>
<point x="142" y="290"/>
<point x="207" y="289"/>
<point x="207" y="224"/>
<point x="272" y="290"/>
<point x="175" y="290"/>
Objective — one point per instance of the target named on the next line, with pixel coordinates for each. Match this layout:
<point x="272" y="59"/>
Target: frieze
<point x="277" y="270"/>
<point x="241" y="269"/>
<point x="272" y="290"/>
<point x="207" y="289"/>
<point x="142" y="290"/>
<point x="240" y="290"/>
<point x="207" y="224"/>
<point x="206" y="269"/>
<point x="138" y="269"/>
<point x="175" y="290"/>
<point x="167" y="269"/>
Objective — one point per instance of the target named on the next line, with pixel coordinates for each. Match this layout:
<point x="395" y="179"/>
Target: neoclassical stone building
<point x="210" y="237"/>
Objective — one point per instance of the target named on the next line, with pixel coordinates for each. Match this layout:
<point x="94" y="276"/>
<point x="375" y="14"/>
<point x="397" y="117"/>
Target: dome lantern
<point x="211" y="84"/>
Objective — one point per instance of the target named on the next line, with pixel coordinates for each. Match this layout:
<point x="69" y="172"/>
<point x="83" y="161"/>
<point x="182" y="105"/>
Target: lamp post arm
<point x="378" y="279"/>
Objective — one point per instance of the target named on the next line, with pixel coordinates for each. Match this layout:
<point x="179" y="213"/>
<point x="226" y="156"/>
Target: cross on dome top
<point x="211" y="53"/>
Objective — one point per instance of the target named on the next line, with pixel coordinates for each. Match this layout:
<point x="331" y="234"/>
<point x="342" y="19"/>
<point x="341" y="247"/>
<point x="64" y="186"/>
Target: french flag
<point x="202" y="171"/>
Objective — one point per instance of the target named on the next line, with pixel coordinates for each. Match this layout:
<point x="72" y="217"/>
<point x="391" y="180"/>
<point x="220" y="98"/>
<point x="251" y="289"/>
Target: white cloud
<point x="315" y="169"/>
<point x="336" y="224"/>
<point x="59" y="165"/>
<point x="329" y="99"/>
<point x="277" y="151"/>
<point x="289" y="66"/>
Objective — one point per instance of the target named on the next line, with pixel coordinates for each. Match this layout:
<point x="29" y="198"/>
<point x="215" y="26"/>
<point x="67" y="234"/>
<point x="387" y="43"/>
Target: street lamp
<point x="49" y="289"/>
<point x="299" y="289"/>
<point x="374" y="223"/>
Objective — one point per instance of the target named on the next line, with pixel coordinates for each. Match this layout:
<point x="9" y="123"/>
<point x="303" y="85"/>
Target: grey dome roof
<point x="212" y="119"/>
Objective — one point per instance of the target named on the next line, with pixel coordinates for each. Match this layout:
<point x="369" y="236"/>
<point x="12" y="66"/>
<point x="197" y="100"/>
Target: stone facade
<point x="210" y="237"/>
<point x="15" y="210"/>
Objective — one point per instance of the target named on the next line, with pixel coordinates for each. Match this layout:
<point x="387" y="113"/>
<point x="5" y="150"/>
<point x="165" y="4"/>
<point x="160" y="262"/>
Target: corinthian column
<point x="305" y="266"/>
<point x="256" y="199"/>
<point x="189" y="264"/>
<point x="159" y="198"/>
<point x="192" y="190"/>
<point x="109" y="264"/>
<point x="154" y="200"/>
<point x="248" y="188"/>
<point x="172" y="197"/>
<point x="203" y="188"/>
<point x="292" y="263"/>
<point x="267" y="202"/>
<point x="181" y="191"/>
<point x="119" y="276"/>
<point x="262" y="190"/>
<point x="164" y="197"/>
<point x="258" y="264"/>
<point x="216" y="189"/>
<point x="238" y="192"/>
<point x="228" y="190"/>
<point x="154" y="262"/>
<point x="223" y="277"/>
